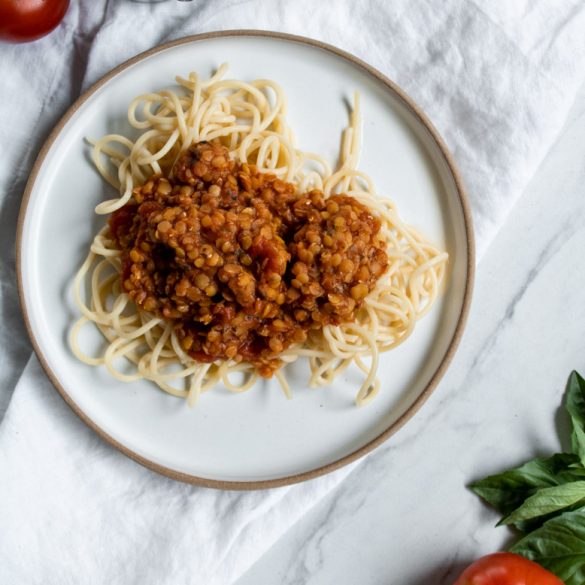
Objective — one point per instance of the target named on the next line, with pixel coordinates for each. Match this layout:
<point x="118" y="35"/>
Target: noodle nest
<point x="250" y="120"/>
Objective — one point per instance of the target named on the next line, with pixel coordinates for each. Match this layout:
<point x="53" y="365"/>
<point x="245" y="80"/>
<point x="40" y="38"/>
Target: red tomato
<point x="27" y="20"/>
<point x="506" y="569"/>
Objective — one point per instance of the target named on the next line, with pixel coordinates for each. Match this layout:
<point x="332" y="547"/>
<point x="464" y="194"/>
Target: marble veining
<point x="547" y="251"/>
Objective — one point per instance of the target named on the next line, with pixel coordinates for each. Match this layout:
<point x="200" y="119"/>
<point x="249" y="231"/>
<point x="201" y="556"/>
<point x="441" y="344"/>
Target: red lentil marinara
<point x="240" y="264"/>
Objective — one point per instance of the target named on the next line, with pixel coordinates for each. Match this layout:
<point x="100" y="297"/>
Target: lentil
<point x="241" y="264"/>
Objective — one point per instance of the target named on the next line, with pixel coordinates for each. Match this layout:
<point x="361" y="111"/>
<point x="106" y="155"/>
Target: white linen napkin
<point x="497" y="79"/>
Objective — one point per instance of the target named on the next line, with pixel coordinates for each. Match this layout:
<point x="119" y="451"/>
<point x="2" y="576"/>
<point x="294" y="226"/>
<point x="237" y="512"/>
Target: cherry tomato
<point x="506" y="569"/>
<point x="27" y="20"/>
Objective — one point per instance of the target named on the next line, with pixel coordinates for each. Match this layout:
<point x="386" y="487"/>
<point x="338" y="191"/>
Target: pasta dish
<point x="229" y="252"/>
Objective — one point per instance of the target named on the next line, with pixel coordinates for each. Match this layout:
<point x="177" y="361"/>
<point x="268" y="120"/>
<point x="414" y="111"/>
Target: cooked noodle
<point x="249" y="119"/>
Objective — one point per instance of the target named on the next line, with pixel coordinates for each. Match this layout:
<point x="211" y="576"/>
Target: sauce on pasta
<point x="282" y="247"/>
<point x="241" y="264"/>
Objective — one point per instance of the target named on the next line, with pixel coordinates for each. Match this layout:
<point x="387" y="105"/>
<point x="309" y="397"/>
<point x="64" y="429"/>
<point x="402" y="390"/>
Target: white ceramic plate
<point x="256" y="439"/>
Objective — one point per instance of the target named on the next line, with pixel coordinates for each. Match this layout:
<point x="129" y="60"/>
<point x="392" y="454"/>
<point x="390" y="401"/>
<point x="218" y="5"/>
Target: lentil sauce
<point x="242" y="265"/>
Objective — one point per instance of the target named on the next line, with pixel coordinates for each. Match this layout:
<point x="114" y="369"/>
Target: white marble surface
<point x="404" y="516"/>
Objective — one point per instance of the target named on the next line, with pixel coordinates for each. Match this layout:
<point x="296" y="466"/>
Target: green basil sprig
<point x="559" y="546"/>
<point x="545" y="499"/>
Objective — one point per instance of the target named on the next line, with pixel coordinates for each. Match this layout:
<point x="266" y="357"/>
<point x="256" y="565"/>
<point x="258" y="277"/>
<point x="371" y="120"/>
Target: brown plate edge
<point x="451" y="349"/>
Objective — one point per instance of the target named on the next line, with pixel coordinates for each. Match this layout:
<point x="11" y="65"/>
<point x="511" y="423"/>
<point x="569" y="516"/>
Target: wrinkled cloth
<point x="497" y="79"/>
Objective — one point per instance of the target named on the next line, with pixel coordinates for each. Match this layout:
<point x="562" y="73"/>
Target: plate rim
<point x="463" y="201"/>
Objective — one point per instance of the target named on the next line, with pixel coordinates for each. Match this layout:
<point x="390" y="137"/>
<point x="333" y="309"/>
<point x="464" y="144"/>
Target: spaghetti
<point x="249" y="120"/>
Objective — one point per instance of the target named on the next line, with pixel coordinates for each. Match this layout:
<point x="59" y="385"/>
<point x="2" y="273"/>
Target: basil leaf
<point x="547" y="501"/>
<point x="575" y="405"/>
<point x="559" y="546"/>
<point x="507" y="491"/>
